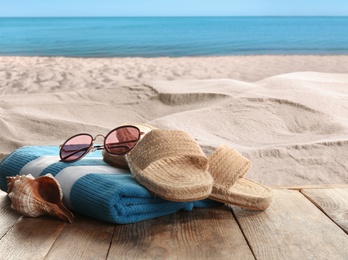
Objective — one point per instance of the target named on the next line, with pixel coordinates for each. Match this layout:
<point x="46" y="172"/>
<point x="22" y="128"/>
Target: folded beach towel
<point x="93" y="188"/>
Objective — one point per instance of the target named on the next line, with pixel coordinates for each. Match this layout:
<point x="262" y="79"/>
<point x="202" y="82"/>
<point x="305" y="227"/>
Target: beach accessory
<point x="92" y="187"/>
<point x="120" y="161"/>
<point x="36" y="197"/>
<point x="171" y="165"/>
<point x="228" y="167"/>
<point x="118" y="141"/>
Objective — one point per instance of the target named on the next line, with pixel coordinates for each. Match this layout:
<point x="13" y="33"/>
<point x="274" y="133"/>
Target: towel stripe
<point x="93" y="187"/>
<point x="35" y="167"/>
<point x="69" y="175"/>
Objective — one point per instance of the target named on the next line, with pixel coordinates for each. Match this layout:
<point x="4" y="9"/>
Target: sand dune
<point x="293" y="126"/>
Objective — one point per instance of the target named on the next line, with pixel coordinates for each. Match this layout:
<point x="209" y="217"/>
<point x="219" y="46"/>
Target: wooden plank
<point x="292" y="228"/>
<point x="334" y="202"/>
<point x="8" y="216"/>
<point x="30" y="238"/>
<point x="85" y="238"/>
<point x="201" y="234"/>
<point x="319" y="186"/>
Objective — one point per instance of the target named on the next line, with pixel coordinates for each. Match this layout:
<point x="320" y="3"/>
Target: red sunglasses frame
<point x="92" y="147"/>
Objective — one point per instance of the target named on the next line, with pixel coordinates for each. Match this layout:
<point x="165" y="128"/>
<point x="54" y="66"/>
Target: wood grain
<point x="30" y="238"/>
<point x="8" y="216"/>
<point x="292" y="228"/>
<point x="85" y="238"/>
<point x="200" y="234"/>
<point x="334" y="202"/>
<point x="314" y="186"/>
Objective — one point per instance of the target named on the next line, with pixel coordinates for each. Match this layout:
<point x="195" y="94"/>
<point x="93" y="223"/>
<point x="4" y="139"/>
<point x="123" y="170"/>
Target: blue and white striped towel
<point x="93" y="188"/>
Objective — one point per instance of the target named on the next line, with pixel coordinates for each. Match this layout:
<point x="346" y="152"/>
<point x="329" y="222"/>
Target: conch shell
<point x="36" y="197"/>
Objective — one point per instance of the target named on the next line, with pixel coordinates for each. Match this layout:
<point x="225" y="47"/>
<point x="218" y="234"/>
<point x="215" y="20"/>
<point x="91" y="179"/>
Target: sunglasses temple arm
<point x="118" y="143"/>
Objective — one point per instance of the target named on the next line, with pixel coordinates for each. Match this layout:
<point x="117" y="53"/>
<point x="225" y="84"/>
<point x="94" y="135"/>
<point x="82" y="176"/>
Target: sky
<point x="63" y="8"/>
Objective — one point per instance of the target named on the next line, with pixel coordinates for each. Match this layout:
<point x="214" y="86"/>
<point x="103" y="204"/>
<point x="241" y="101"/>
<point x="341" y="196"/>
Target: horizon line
<point x="172" y="16"/>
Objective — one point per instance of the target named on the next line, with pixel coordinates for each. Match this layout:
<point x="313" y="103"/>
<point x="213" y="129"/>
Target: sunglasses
<point x="118" y="141"/>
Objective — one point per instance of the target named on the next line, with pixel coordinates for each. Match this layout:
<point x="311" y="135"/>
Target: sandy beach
<point x="287" y="114"/>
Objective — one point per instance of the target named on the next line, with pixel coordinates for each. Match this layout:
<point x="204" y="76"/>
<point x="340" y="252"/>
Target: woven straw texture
<point x="93" y="188"/>
<point x="172" y="165"/>
<point x="228" y="168"/>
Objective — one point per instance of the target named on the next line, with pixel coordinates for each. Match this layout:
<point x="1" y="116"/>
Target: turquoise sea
<point x="172" y="36"/>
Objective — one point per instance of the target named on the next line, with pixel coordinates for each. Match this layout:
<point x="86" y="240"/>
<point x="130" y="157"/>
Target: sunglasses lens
<point x="121" y="140"/>
<point x="75" y="148"/>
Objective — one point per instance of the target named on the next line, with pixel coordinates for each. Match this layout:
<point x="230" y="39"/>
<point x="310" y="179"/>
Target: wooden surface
<point x="334" y="202"/>
<point x="299" y="224"/>
<point x="202" y="233"/>
<point x="292" y="228"/>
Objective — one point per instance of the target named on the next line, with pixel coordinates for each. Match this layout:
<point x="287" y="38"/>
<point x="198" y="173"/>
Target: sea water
<point x="172" y="36"/>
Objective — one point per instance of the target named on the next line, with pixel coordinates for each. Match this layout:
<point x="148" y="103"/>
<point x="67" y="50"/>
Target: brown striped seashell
<point x="35" y="197"/>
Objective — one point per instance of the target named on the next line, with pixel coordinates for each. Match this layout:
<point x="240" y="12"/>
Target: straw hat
<point x="228" y="167"/>
<point x="171" y="165"/>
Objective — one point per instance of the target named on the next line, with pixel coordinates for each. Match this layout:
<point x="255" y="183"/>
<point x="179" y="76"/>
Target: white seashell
<point x="36" y="197"/>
